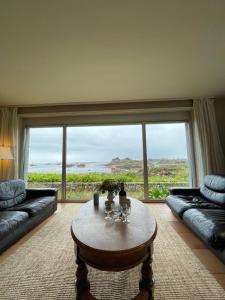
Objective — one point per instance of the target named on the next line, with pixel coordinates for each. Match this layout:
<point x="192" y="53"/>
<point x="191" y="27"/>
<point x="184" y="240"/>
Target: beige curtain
<point x="209" y="154"/>
<point x="8" y="138"/>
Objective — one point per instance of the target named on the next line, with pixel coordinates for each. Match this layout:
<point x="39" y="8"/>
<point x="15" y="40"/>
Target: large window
<point x="167" y="158"/>
<point x="95" y="153"/>
<point x="45" y="158"/>
<point x="149" y="158"/>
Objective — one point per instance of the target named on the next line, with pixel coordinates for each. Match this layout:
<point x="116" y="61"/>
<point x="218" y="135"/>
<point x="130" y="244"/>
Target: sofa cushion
<point x="215" y="182"/>
<point x="10" y="220"/>
<point x="34" y="206"/>
<point x="209" y="224"/>
<point x="179" y="204"/>
<point x="213" y="196"/>
<point x="12" y="192"/>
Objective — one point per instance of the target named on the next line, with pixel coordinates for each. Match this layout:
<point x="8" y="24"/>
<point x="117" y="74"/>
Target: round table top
<point x="90" y="229"/>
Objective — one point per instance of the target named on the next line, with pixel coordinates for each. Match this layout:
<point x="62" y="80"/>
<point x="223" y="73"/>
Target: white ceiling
<point x="61" y="51"/>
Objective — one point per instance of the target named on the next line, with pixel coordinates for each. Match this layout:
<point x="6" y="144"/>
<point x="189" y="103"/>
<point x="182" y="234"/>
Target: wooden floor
<point x="215" y="267"/>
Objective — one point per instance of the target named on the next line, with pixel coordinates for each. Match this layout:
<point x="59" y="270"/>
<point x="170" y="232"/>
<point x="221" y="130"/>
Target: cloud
<point x="166" y="141"/>
<point x="102" y="143"/>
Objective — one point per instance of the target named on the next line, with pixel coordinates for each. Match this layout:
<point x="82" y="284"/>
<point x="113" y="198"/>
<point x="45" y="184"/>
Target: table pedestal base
<point x="146" y="283"/>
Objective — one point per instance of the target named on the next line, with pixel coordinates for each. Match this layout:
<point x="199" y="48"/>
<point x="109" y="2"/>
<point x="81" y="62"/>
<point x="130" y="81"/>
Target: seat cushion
<point x="10" y="220"/>
<point x="12" y="192"/>
<point x="34" y="206"/>
<point x="209" y="224"/>
<point x="179" y="204"/>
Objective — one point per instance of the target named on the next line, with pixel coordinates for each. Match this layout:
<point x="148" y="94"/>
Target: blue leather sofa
<point x="203" y="211"/>
<point x="22" y="209"/>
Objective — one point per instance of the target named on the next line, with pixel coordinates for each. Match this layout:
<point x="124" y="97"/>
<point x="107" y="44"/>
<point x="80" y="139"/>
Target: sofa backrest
<point x="214" y="189"/>
<point x="12" y="192"/>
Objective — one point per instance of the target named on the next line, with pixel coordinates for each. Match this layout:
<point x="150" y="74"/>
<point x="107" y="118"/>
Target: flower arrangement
<point x="109" y="185"/>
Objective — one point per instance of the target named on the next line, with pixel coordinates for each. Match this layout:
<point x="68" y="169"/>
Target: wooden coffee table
<point x="113" y="246"/>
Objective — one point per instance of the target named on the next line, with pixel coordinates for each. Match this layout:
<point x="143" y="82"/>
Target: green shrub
<point x="167" y="179"/>
<point x="158" y="192"/>
<point x="33" y="177"/>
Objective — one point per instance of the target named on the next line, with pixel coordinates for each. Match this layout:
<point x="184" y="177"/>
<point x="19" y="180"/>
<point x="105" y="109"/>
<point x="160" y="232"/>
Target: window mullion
<point x="145" y="162"/>
<point x="64" y="164"/>
<point x="190" y="154"/>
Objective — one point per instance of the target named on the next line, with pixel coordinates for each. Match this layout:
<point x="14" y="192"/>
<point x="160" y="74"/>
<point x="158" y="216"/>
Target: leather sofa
<point x="22" y="209"/>
<point x="203" y="211"/>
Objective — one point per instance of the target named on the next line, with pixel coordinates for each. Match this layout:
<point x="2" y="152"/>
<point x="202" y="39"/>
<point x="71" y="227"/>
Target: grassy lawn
<point x="93" y="177"/>
<point x="82" y="186"/>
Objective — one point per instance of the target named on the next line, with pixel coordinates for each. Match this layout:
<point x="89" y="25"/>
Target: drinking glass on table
<point x="116" y="213"/>
<point x="108" y="210"/>
<point x="126" y="209"/>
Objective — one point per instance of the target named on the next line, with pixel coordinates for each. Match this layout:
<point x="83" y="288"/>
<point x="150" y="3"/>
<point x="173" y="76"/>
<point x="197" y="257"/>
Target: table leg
<point x="82" y="283"/>
<point x="147" y="281"/>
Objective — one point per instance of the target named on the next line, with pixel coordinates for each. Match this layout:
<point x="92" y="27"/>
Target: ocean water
<point x="89" y="167"/>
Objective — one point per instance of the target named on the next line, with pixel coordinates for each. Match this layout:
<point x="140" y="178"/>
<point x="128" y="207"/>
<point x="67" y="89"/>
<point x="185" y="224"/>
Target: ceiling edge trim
<point x="106" y="108"/>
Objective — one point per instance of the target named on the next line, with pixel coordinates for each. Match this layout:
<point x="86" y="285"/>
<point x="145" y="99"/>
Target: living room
<point x="96" y="92"/>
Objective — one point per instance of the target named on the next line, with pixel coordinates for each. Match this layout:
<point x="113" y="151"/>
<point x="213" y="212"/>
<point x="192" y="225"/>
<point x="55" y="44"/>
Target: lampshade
<point x="5" y="153"/>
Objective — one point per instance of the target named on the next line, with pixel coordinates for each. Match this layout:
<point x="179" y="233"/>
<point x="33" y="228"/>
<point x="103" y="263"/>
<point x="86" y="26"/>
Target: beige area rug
<point x="43" y="267"/>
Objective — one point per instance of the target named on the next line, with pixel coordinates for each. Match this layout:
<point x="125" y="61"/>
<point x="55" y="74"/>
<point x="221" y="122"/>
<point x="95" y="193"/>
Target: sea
<point x="78" y="168"/>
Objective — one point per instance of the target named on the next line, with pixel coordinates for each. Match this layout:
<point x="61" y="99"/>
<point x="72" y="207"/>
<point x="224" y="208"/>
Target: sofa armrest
<point x="185" y="191"/>
<point x="36" y="193"/>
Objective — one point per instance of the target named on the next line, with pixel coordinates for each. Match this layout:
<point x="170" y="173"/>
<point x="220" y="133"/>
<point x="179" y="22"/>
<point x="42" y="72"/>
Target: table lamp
<point x="5" y="153"/>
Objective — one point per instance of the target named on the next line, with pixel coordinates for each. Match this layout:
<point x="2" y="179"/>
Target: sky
<point x="102" y="143"/>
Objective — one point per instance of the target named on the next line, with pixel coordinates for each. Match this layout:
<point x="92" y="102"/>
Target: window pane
<point x="167" y="158"/>
<point x="45" y="158"/>
<point x="95" y="153"/>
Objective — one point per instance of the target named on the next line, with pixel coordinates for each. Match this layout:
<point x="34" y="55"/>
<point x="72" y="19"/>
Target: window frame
<point x="142" y="119"/>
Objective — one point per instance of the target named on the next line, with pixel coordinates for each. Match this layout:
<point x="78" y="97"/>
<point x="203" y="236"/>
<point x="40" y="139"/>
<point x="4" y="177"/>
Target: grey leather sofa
<point x="22" y="209"/>
<point x="203" y="211"/>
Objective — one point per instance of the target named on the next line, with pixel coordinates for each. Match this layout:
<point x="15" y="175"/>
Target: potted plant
<point x="111" y="186"/>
